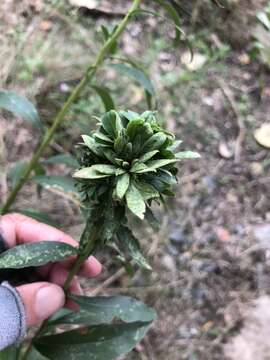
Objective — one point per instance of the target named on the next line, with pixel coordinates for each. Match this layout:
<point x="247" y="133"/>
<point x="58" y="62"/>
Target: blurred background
<point x="211" y="255"/>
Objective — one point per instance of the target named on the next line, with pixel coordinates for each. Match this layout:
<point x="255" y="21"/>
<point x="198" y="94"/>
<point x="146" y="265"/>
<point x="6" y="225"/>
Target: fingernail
<point x="49" y="299"/>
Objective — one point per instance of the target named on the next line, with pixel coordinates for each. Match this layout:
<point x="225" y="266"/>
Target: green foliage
<point x="39" y="216"/>
<point x="126" y="164"/>
<point x="35" y="254"/>
<point x="66" y="159"/>
<point x="20" y="106"/>
<point x="261" y="34"/>
<point x="101" y="342"/>
<point x="104" y="310"/>
<point x="105" y="97"/>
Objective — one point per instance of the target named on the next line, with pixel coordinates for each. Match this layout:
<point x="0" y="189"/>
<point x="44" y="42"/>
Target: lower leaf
<point x="101" y="342"/>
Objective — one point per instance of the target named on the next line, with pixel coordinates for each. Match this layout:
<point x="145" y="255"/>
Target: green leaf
<point x="20" y="106"/>
<point x="104" y="169"/>
<point x="18" y="169"/>
<point x="136" y="74"/>
<point x="129" y="115"/>
<point x="89" y="173"/>
<point x="101" y="342"/>
<point x="120" y="143"/>
<point x="62" y="183"/>
<point x="133" y="127"/>
<point x="91" y="144"/>
<point x="187" y="155"/>
<point x="102" y="137"/>
<point x="39" y="216"/>
<point x="130" y="244"/>
<point x="154" y="142"/>
<point x="137" y="167"/>
<point x="175" y="145"/>
<point x="147" y="191"/>
<point x="122" y="185"/>
<point x="16" y="172"/>
<point x="104" y="309"/>
<point x="35" y="254"/>
<point x="62" y="159"/>
<point x="35" y="355"/>
<point x="173" y="13"/>
<point x="10" y="353"/>
<point x="147" y="156"/>
<point x="105" y="97"/>
<point x="151" y="219"/>
<point x="111" y="123"/>
<point x="263" y="18"/>
<point x="135" y="201"/>
<point x="155" y="164"/>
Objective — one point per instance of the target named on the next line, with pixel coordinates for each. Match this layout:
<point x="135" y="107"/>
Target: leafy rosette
<point x="127" y="163"/>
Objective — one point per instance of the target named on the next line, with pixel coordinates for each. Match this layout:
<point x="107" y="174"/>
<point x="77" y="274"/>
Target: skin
<point x="42" y="299"/>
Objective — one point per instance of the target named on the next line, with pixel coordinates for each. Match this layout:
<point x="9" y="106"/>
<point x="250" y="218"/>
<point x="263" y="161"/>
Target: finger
<point x="18" y="229"/>
<point x="58" y="275"/>
<point x="41" y="300"/>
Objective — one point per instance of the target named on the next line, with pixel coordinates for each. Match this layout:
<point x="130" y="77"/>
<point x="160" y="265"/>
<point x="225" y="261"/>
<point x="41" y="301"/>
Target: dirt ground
<point x="211" y="254"/>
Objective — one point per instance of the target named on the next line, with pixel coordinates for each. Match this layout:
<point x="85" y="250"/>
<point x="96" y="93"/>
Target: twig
<point x="3" y="170"/>
<point x="107" y="282"/>
<point x="241" y="133"/>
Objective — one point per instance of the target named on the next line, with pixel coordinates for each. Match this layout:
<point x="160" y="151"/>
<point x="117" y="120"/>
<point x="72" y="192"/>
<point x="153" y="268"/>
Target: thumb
<point x="41" y="300"/>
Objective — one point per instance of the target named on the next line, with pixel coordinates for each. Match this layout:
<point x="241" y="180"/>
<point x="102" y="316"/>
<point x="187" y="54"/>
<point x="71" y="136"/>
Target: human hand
<point x="42" y="299"/>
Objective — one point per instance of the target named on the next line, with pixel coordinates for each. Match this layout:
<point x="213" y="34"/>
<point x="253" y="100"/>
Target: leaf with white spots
<point x="36" y="254"/>
<point x="135" y="201"/>
<point x="103" y="309"/>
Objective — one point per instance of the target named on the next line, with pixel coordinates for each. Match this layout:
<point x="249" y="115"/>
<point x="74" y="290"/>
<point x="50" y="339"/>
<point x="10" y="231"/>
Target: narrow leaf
<point x="16" y="172"/>
<point x="39" y="216"/>
<point x="101" y="342"/>
<point x="63" y="183"/>
<point x="62" y="159"/>
<point x="105" y="97"/>
<point x="155" y="164"/>
<point x="102" y="137"/>
<point x="111" y="123"/>
<point x="174" y="16"/>
<point x="135" y="201"/>
<point x="155" y="142"/>
<point x="131" y="245"/>
<point x="35" y="254"/>
<point x="20" y="106"/>
<point x="147" y="156"/>
<point x="134" y="126"/>
<point x="104" y="309"/>
<point x="137" y="167"/>
<point x="136" y="74"/>
<point x="91" y="144"/>
<point x="89" y="173"/>
<point x="104" y="169"/>
<point x="147" y="191"/>
<point x="122" y="185"/>
<point x="187" y="155"/>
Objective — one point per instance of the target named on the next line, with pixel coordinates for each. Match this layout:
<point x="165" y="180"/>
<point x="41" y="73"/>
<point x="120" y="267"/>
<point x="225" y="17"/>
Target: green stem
<point x="90" y="72"/>
<point x="46" y="141"/>
<point x="91" y="241"/>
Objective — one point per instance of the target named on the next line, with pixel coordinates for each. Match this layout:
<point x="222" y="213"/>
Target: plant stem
<point x="46" y="141"/>
<point x="90" y="72"/>
<point x="83" y="256"/>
